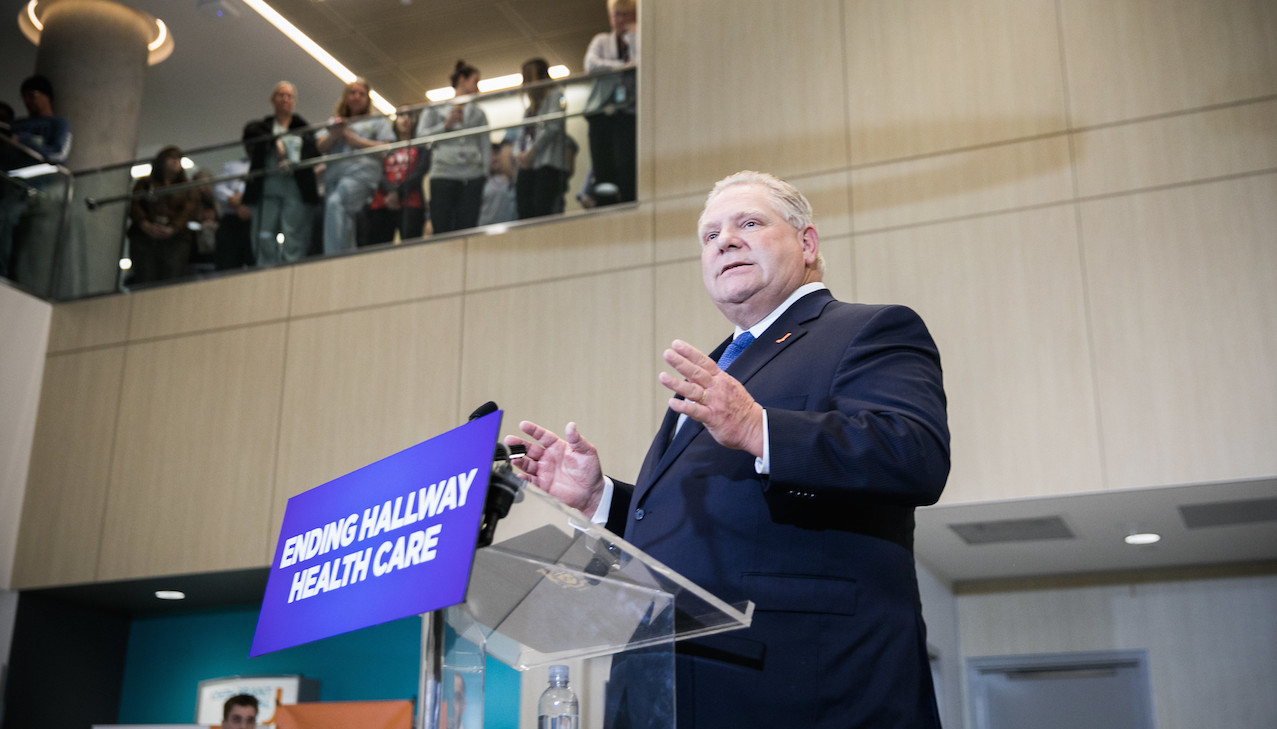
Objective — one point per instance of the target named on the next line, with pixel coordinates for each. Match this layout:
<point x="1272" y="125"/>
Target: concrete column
<point x="95" y="54"/>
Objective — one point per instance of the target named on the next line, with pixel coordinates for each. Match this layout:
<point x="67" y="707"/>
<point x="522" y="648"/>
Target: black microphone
<point x="487" y="408"/>
<point x="503" y="485"/>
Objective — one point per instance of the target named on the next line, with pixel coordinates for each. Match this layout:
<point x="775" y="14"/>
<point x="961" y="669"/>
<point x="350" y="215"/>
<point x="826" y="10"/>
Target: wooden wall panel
<point x="1133" y="58"/>
<point x="191" y="468"/>
<point x="1177" y="149"/>
<point x="830" y="196"/>
<point x="1003" y="298"/>
<point x="578" y="350"/>
<point x="90" y="323"/>
<point x="674" y="227"/>
<point x="935" y="75"/>
<point x="61" y="528"/>
<point x="990" y="179"/>
<point x="1184" y="307"/>
<point x="230" y="301"/>
<point x="402" y="273"/>
<point x="555" y="249"/>
<point x="361" y="385"/>
<point x="840" y="266"/>
<point x="752" y="84"/>
<point x="1045" y="620"/>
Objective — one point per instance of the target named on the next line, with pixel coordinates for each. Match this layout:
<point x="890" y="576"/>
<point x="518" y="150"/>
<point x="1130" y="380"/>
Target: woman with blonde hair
<point x="349" y="183"/>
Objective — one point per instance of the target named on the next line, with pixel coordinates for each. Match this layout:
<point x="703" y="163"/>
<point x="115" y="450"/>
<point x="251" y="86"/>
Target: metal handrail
<point x="489" y="96"/>
<point x="381" y="149"/>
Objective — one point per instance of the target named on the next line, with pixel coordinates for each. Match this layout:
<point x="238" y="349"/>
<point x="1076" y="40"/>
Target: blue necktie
<point x="734" y="349"/>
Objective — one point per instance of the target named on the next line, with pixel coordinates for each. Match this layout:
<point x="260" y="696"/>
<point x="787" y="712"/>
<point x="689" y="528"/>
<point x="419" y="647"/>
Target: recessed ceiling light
<point x="170" y="594"/>
<point x="497" y="83"/>
<point x="1143" y="538"/>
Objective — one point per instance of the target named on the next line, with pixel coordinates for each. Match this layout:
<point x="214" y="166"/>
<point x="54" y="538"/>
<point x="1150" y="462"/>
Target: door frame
<point x="1046" y="663"/>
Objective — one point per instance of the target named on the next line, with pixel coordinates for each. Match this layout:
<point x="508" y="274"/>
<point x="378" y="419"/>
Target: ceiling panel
<point x="404" y="49"/>
<point x="311" y="18"/>
<point x="549" y="18"/>
<point x="358" y="55"/>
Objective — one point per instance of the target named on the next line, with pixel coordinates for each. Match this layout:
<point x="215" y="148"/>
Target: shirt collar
<point x="799" y="292"/>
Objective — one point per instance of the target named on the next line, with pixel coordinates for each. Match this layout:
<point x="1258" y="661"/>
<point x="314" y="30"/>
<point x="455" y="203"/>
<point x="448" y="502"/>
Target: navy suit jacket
<point x="823" y="545"/>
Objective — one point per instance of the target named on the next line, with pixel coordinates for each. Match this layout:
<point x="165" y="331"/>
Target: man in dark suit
<point x="787" y="476"/>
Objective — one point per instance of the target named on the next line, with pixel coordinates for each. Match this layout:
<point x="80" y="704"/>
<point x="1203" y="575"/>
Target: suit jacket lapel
<point x="663" y="444"/>
<point x="783" y="332"/>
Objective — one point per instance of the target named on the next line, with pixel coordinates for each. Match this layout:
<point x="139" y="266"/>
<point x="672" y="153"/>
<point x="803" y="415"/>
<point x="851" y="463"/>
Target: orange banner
<point x="345" y="715"/>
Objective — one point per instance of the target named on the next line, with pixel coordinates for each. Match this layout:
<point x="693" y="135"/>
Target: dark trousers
<point x="233" y="247"/>
<point x="540" y="191"/>
<point x="454" y="204"/>
<point x="382" y="223"/>
<point x="612" y="139"/>
<point x="159" y="259"/>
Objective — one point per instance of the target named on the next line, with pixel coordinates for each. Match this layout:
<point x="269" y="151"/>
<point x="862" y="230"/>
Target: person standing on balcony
<point x="48" y="138"/>
<point x="281" y="199"/>
<point x="543" y="148"/>
<point x="460" y="166"/>
<point x="399" y="203"/>
<point x="160" y="241"/>
<point x="349" y="183"/>
<point x="610" y="110"/>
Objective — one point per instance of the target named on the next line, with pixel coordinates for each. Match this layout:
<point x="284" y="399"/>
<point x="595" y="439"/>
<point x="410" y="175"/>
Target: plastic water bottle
<point x="558" y="708"/>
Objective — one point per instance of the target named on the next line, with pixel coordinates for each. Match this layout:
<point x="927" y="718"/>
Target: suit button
<point x="639" y="514"/>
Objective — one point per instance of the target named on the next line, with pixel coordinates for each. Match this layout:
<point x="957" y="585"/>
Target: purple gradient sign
<point x="393" y="539"/>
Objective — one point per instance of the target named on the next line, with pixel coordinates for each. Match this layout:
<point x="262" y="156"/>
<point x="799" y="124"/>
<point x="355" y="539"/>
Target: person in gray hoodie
<point x="460" y="165"/>
<point x="544" y="150"/>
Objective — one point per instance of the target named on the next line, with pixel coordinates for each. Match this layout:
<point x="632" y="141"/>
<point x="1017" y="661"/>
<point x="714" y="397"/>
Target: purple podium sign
<point x="393" y="539"/>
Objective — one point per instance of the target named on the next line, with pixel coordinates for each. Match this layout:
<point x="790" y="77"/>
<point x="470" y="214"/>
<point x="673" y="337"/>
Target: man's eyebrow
<point x="738" y="215"/>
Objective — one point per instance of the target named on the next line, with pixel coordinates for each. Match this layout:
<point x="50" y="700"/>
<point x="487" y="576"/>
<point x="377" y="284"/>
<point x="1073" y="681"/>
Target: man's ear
<point x="811" y="244"/>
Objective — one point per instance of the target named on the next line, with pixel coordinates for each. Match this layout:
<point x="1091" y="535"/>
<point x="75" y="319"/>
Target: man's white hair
<point x="788" y="201"/>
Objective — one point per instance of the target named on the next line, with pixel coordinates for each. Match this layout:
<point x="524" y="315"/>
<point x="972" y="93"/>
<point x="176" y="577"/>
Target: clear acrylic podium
<point x="555" y="588"/>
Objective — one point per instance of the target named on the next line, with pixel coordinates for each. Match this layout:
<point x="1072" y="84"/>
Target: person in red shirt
<point x="398" y="203"/>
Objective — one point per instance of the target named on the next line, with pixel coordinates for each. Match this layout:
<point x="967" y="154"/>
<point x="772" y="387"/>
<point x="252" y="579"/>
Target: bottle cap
<point x="559" y="673"/>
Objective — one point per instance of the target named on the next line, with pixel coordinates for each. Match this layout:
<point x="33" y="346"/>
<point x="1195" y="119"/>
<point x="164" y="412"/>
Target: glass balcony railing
<point x="233" y="207"/>
<point x="35" y="206"/>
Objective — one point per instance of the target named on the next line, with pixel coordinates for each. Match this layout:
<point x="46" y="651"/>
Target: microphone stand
<point x="503" y="490"/>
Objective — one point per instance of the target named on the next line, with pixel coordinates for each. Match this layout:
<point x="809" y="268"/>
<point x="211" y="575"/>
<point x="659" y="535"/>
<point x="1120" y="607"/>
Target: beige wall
<point x="1209" y="636"/>
<point x="1075" y="195"/>
<point x="24" y="332"/>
